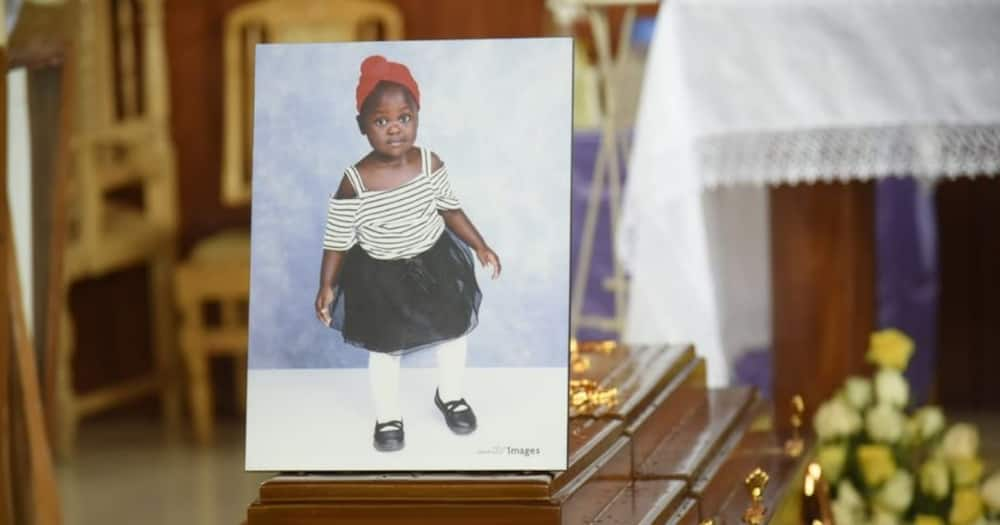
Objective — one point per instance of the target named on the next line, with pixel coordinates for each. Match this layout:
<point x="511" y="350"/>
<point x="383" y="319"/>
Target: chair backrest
<point x="122" y="66"/>
<point x="269" y="21"/>
<point x="121" y="137"/>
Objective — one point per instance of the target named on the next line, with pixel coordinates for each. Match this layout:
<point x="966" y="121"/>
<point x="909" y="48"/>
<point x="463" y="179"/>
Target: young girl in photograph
<point x="397" y="273"/>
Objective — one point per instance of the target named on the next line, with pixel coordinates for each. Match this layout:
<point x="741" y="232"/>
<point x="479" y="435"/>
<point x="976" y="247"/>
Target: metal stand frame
<point x="615" y="146"/>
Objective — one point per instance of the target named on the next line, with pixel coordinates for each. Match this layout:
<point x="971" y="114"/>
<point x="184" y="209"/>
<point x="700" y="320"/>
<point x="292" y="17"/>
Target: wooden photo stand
<point x="25" y="453"/>
<point x="649" y="443"/>
<point x="28" y="492"/>
<point x="27" y="479"/>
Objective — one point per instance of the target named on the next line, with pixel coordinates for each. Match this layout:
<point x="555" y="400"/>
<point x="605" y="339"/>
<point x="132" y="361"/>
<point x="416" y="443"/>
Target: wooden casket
<point x="649" y="443"/>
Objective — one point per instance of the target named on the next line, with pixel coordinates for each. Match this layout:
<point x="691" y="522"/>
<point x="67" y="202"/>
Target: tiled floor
<point x="127" y="471"/>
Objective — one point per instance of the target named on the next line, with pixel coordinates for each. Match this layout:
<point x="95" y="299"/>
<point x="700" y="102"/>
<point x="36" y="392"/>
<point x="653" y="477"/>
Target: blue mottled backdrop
<point x="497" y="112"/>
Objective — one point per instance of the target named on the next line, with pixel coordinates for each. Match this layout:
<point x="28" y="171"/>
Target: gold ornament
<point x="755" y="483"/>
<point x="586" y="396"/>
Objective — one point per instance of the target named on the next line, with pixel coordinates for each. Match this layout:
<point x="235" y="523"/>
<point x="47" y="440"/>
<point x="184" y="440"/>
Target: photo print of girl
<point x="395" y="172"/>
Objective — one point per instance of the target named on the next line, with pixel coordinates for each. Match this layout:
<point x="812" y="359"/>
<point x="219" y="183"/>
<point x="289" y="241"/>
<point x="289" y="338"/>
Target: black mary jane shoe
<point x="459" y="421"/>
<point x="388" y="436"/>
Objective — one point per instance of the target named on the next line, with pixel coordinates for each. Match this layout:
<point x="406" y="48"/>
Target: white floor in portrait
<point x="321" y="420"/>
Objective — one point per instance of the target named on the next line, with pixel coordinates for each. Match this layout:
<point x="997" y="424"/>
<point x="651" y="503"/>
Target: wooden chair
<point x="283" y="21"/>
<point x="121" y="142"/>
<point x="212" y="289"/>
<point x="217" y="274"/>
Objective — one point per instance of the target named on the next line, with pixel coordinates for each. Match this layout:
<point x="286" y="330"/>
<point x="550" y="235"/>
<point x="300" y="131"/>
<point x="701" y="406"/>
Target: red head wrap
<point x="375" y="69"/>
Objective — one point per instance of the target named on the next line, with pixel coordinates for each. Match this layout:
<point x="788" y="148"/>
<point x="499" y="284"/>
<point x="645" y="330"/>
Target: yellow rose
<point x="877" y="464"/>
<point x="966" y="471"/>
<point x="890" y="348"/>
<point x="923" y="519"/>
<point x="831" y="459"/>
<point x="966" y="507"/>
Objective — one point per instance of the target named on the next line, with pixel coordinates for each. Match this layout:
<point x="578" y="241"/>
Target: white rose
<point x="858" y="392"/>
<point x="990" y="492"/>
<point x="834" y="419"/>
<point x="930" y="421"/>
<point x="845" y="514"/>
<point x="848" y="507"/>
<point x="885" y="423"/>
<point x="881" y="517"/>
<point x="849" y="496"/>
<point x="960" y="442"/>
<point x="934" y="479"/>
<point x="891" y="388"/>
<point x="897" y="493"/>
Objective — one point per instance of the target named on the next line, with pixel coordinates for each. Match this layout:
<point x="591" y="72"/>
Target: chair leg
<point x="164" y="341"/>
<point x="65" y="392"/>
<point x="199" y="393"/>
<point x="240" y="380"/>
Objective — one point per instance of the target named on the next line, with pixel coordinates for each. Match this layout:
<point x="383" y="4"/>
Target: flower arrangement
<point x="887" y="465"/>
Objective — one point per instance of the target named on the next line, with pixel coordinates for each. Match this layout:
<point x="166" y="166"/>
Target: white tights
<point x="383" y="374"/>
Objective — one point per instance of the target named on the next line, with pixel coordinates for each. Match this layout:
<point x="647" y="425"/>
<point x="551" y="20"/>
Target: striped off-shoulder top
<point x="397" y="223"/>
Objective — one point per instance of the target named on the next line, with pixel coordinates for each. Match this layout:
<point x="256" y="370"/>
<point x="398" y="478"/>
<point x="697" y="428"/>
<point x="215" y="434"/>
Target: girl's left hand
<point x="489" y="259"/>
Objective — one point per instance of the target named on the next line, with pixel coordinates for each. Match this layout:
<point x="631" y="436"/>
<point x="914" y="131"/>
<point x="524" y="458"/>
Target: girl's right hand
<point x="489" y="259"/>
<point x="323" y="299"/>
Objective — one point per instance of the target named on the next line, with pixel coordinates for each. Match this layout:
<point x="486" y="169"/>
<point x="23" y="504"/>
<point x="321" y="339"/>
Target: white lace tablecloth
<point x="743" y="93"/>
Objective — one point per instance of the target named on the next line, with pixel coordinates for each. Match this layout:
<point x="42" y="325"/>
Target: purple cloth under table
<point x="597" y="300"/>
<point x="906" y="270"/>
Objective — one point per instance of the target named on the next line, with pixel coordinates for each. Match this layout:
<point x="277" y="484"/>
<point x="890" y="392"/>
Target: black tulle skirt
<point x="399" y="306"/>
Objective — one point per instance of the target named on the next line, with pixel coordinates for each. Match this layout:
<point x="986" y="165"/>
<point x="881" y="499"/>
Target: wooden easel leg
<point x="44" y="499"/>
<point x="18" y="368"/>
<point x="6" y="243"/>
<point x="65" y="392"/>
<point x="164" y="340"/>
<point x="6" y="430"/>
<point x="48" y="90"/>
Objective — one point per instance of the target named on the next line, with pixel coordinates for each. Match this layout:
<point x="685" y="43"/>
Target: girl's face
<point x="389" y="120"/>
